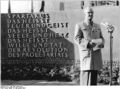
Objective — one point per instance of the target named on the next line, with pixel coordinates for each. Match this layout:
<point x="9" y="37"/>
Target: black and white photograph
<point x="60" y="42"/>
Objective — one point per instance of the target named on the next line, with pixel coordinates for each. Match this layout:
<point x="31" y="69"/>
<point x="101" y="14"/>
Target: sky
<point x="23" y="6"/>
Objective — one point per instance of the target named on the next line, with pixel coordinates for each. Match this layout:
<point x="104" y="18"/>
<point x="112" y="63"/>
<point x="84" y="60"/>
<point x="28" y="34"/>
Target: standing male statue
<point x="90" y="40"/>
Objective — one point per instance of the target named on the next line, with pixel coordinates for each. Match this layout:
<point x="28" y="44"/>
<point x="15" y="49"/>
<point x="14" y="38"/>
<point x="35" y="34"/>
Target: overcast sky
<point x="21" y="6"/>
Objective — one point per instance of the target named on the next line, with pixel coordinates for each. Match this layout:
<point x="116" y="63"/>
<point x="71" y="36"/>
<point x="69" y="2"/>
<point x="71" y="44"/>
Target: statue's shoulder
<point x="80" y="25"/>
<point x="96" y="25"/>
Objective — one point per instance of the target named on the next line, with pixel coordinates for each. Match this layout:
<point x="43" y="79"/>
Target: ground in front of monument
<point x="36" y="82"/>
<point x="42" y="83"/>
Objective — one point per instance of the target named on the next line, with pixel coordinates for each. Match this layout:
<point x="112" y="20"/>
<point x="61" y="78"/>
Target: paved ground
<point x="36" y="82"/>
<point x="43" y="83"/>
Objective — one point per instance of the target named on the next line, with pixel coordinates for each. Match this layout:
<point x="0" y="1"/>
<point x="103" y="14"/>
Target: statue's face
<point x="89" y="15"/>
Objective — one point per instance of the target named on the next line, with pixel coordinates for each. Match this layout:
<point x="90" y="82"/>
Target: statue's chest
<point x="90" y="32"/>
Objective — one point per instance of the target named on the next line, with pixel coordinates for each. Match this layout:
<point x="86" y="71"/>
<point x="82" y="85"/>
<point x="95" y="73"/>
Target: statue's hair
<point x="88" y="9"/>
